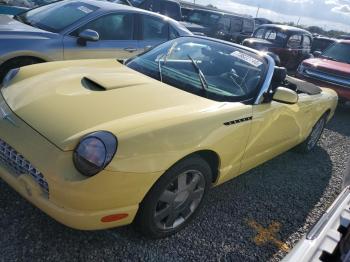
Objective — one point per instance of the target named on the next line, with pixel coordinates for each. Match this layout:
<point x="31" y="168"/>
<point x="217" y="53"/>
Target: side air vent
<point x="238" y="121"/>
<point x="91" y="85"/>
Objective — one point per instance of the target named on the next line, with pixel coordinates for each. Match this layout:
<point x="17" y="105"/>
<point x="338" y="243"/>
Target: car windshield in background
<point x="27" y="3"/>
<point x="321" y="44"/>
<point x="271" y="35"/>
<point x="210" y="69"/>
<point x="56" y="17"/>
<point x="338" y="52"/>
<point x="203" y="18"/>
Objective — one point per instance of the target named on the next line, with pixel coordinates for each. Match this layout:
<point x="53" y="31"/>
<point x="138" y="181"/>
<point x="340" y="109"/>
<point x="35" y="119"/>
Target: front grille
<point x="328" y="77"/>
<point x="14" y="161"/>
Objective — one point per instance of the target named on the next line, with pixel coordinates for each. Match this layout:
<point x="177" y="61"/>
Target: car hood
<point x="330" y="66"/>
<point x="11" y="10"/>
<point x="63" y="101"/>
<point x="12" y="29"/>
<point x="257" y="43"/>
<point x="195" y="27"/>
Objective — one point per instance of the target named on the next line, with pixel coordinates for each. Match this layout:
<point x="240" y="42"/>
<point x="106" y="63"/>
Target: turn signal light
<point x="112" y="218"/>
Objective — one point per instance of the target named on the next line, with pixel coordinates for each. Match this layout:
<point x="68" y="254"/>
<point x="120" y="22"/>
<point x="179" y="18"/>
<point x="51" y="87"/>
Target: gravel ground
<point x="290" y="192"/>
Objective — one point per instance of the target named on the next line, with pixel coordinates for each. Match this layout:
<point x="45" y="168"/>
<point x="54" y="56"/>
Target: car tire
<point x="311" y="141"/>
<point x="15" y="63"/>
<point x="175" y="199"/>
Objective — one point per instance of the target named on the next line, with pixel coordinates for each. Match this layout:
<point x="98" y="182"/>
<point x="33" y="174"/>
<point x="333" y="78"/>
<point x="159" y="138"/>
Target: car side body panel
<point x="278" y="127"/>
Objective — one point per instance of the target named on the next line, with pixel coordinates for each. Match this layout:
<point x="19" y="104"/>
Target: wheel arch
<point x="10" y="63"/>
<point x="213" y="159"/>
<point x="328" y="114"/>
<point x="209" y="156"/>
<point x="19" y="57"/>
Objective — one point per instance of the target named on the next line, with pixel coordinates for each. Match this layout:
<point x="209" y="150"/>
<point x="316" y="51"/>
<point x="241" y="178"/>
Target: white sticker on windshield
<point x="84" y="9"/>
<point x="247" y="58"/>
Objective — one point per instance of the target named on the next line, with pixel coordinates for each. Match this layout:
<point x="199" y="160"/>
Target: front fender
<point x="44" y="49"/>
<point x="157" y="149"/>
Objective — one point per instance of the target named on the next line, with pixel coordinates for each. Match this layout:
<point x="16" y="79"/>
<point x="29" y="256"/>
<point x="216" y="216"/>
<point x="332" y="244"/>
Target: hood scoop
<point x="108" y="81"/>
<point x="91" y="85"/>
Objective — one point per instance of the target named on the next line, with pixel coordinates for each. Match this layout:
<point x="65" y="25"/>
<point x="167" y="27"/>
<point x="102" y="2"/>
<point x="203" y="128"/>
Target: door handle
<point x="130" y="49"/>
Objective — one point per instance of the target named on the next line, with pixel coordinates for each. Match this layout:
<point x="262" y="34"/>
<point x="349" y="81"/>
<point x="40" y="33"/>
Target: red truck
<point x="330" y="69"/>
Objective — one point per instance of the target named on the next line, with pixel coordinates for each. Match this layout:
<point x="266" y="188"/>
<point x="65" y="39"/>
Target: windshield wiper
<point x="202" y="79"/>
<point x="19" y="18"/>
<point x="170" y="51"/>
<point x="22" y="19"/>
<point x="160" y="67"/>
<point x="165" y="59"/>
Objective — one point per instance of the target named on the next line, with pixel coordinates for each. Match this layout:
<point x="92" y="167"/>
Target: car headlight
<point x="10" y="75"/>
<point x="94" y="152"/>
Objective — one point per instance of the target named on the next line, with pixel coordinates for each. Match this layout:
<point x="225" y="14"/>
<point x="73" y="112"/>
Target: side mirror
<point x="317" y="54"/>
<point x="285" y="95"/>
<point x="122" y="61"/>
<point x="279" y="74"/>
<point x="87" y="35"/>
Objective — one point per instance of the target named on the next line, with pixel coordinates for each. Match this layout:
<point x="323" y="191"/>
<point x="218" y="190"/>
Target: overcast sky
<point x="329" y="14"/>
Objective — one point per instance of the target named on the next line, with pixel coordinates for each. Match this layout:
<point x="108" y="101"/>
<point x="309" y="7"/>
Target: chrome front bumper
<point x="18" y="165"/>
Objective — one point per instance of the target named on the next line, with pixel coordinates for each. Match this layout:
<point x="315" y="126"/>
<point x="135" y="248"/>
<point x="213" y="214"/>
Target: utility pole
<point x="257" y="12"/>
<point x="298" y="21"/>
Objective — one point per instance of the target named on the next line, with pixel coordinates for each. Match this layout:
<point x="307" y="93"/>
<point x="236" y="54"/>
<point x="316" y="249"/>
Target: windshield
<point x="339" y="52"/>
<point x="321" y="44"/>
<point x="272" y="35"/>
<point x="206" y="68"/>
<point x="204" y="18"/>
<point x="56" y="17"/>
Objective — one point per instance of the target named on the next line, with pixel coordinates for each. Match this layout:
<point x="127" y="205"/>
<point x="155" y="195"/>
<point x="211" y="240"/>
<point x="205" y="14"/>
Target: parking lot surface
<point x="258" y="216"/>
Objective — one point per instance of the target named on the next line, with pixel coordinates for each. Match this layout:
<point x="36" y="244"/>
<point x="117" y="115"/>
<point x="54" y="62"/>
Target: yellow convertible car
<point x="97" y="144"/>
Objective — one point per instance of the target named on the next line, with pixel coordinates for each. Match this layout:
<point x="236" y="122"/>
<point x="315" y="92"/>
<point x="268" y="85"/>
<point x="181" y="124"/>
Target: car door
<point x="276" y="127"/>
<point x="116" y="39"/>
<point x="223" y="28"/>
<point x="236" y="29"/>
<point x="306" y="47"/>
<point x="247" y="29"/>
<point x="153" y="31"/>
<point x="295" y="51"/>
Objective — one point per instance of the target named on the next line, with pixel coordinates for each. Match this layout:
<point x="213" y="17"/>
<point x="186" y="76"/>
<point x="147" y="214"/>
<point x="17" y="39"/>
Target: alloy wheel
<point x="179" y="200"/>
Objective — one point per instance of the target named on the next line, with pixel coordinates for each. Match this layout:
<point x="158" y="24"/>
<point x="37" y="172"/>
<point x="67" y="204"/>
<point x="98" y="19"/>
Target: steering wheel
<point x="236" y="79"/>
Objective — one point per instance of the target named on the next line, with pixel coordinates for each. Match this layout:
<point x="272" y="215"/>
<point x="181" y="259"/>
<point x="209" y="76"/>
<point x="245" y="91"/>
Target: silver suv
<point x="76" y="29"/>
